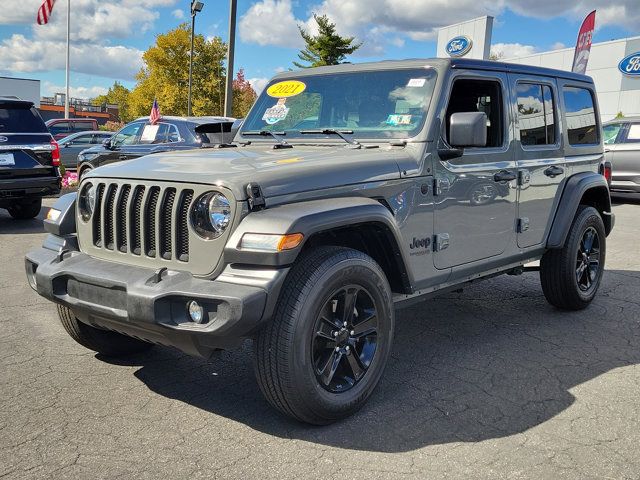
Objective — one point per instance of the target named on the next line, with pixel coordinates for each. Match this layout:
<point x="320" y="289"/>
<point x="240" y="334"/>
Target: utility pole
<point x="228" y="97"/>
<point x="195" y="8"/>
<point x="66" y="95"/>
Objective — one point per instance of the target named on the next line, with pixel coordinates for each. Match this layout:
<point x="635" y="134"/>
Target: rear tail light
<point x="606" y="171"/>
<point x="55" y="153"/>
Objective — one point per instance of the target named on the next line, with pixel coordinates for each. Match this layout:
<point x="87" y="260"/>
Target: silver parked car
<point x="72" y="145"/>
<point x="622" y="149"/>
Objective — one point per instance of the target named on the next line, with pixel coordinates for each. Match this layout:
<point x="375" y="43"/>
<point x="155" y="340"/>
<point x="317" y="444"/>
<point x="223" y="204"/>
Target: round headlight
<point x="87" y="201"/>
<point x="211" y="215"/>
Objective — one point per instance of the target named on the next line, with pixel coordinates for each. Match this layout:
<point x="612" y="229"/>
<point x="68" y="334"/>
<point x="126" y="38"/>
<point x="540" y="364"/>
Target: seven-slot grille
<point x="141" y="220"/>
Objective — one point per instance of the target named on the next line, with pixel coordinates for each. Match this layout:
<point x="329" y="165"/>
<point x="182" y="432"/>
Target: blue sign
<point x="630" y="65"/>
<point x="459" y="46"/>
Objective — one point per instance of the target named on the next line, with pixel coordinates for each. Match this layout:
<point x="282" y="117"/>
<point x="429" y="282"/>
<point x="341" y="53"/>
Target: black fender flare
<point x="309" y="218"/>
<point x="574" y="191"/>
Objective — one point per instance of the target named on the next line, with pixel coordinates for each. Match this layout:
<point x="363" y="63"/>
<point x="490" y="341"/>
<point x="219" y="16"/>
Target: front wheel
<point x="321" y="356"/>
<point x="571" y="276"/>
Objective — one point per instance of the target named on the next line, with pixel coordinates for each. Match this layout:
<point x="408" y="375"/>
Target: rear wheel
<point x="26" y="209"/>
<point x="323" y="353"/>
<point x="571" y="276"/>
<point x="110" y="344"/>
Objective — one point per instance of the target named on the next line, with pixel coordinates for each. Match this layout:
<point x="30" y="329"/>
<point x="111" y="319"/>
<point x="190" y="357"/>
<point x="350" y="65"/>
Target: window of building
<point x="471" y="95"/>
<point x="536" y="114"/>
<point x="582" y="125"/>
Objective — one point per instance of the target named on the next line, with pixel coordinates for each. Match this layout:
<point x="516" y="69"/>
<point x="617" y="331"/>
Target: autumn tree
<point x="325" y="48"/>
<point x="116" y="95"/>
<point x="243" y="95"/>
<point x="165" y="75"/>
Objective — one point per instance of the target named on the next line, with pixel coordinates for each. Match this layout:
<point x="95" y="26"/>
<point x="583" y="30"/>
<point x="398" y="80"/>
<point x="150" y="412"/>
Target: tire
<point x="562" y="283"/>
<point x="105" y="342"/>
<point x="291" y="350"/>
<point x="26" y="210"/>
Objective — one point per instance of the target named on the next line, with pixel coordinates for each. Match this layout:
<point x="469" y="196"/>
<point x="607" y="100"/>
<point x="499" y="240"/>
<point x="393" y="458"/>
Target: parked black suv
<point x="29" y="159"/>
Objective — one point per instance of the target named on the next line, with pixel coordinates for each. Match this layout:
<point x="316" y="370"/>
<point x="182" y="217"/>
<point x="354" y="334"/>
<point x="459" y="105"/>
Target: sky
<point x="109" y="36"/>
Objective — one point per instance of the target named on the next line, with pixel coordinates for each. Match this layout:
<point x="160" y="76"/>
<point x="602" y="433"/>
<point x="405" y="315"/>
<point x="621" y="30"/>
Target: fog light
<point x="196" y="312"/>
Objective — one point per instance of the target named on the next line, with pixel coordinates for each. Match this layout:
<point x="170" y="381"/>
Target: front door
<point x="541" y="163"/>
<point x="475" y="194"/>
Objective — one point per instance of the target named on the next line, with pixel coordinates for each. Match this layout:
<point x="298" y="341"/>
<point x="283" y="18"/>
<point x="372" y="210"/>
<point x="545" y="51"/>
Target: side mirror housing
<point x="106" y="143"/>
<point x="468" y="129"/>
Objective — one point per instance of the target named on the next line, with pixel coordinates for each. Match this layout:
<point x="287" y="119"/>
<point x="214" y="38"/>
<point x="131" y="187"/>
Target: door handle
<point x="122" y="157"/>
<point x="504" y="176"/>
<point x="553" y="171"/>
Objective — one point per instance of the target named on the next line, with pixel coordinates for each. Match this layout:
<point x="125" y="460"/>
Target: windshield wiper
<point x="267" y="133"/>
<point x="333" y="131"/>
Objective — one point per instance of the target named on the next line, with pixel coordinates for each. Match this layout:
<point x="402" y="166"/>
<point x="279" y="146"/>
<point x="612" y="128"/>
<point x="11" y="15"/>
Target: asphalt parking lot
<point x="488" y="383"/>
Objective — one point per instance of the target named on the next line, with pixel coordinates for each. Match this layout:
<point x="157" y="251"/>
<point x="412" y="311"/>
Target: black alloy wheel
<point x="345" y="339"/>
<point x="588" y="260"/>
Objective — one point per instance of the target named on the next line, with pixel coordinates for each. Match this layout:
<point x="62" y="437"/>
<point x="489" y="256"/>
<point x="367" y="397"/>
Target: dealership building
<point x="618" y="89"/>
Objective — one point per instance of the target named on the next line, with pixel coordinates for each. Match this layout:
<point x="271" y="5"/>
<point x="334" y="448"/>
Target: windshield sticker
<point x="279" y="111"/>
<point x="416" y="82"/>
<point x="395" y="119"/>
<point x="288" y="88"/>
<point x="149" y="133"/>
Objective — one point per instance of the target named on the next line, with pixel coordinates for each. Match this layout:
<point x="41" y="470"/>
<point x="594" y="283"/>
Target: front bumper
<point x="142" y="303"/>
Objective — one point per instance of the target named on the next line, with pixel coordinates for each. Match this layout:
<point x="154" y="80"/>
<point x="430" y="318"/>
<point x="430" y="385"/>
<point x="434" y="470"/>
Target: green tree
<point x="116" y="95"/>
<point x="326" y="48"/>
<point x="165" y="75"/>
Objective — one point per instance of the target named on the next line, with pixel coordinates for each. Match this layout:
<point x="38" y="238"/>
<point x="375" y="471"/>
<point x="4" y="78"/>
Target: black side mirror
<point x="106" y="143"/>
<point x="468" y="129"/>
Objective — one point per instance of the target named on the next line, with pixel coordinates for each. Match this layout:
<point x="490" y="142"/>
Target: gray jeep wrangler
<point x="349" y="189"/>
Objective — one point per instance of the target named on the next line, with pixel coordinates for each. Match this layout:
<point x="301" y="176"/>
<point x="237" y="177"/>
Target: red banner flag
<point x="44" y="12"/>
<point x="583" y="44"/>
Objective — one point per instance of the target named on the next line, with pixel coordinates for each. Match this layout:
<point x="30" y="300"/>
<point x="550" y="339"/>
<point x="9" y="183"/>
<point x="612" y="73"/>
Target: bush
<point x="111" y="126"/>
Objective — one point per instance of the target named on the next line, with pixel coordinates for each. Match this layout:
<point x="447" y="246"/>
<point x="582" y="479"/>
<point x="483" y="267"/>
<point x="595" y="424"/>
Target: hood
<point x="278" y="172"/>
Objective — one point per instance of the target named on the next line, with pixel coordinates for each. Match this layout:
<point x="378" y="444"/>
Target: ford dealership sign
<point x="630" y="65"/>
<point x="459" y="46"/>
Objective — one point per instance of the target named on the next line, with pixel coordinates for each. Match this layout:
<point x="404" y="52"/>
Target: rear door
<point x="541" y="163"/>
<point x="25" y="142"/>
<point x="625" y="160"/>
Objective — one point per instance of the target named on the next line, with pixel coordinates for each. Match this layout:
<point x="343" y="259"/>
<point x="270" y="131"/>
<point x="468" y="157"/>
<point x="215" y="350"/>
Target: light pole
<point x="228" y="96"/>
<point x="195" y="8"/>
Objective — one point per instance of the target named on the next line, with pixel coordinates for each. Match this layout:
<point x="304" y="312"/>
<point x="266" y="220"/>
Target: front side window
<point x="59" y="127"/>
<point x="127" y="135"/>
<point x="471" y="95"/>
<point x="159" y="133"/>
<point x="536" y="114"/>
<point x="380" y="104"/>
<point x="582" y="126"/>
<point x="82" y="140"/>
<point x="611" y="133"/>
<point x="81" y="126"/>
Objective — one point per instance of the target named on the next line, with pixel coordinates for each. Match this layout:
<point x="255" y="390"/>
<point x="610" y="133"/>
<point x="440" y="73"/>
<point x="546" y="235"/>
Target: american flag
<point x="44" y="12"/>
<point x="154" y="116"/>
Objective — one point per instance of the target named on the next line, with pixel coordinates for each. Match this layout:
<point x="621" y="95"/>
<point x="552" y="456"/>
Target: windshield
<point x="611" y="133"/>
<point x="383" y="104"/>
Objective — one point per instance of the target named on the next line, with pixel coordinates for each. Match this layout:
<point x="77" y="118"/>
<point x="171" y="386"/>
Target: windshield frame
<point x="417" y="133"/>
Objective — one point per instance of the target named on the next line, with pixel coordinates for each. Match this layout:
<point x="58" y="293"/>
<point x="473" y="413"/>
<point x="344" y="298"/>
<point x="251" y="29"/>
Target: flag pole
<point x="66" y="96"/>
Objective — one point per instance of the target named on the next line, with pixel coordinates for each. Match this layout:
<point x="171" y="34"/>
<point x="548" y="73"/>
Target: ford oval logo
<point x="459" y="46"/>
<point x="630" y="65"/>
<point x="3" y="139"/>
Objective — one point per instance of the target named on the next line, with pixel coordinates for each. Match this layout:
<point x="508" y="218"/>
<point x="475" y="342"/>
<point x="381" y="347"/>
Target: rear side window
<point x="21" y="120"/>
<point x="581" y="116"/>
<point x="536" y="114"/>
<point x="633" y="136"/>
<point x="81" y="126"/>
<point x="611" y="133"/>
<point x="59" y="127"/>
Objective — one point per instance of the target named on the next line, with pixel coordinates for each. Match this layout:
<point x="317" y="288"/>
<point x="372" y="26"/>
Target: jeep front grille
<point x="123" y="220"/>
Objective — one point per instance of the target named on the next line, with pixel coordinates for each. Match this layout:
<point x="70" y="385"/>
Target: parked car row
<point x="622" y="149"/>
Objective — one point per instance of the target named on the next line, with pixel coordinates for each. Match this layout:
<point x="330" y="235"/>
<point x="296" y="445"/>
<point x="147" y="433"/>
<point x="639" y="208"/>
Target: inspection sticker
<point x="399" y="119"/>
<point x="279" y="111"/>
<point x="288" y="88"/>
<point x="416" y="82"/>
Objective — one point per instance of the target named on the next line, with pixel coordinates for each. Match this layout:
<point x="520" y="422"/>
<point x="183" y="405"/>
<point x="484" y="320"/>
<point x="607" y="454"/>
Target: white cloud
<point x="511" y="50"/>
<point x="49" y="90"/>
<point x="382" y="22"/>
<point x="558" y="46"/>
<point x="178" y="13"/>
<point x="21" y="54"/>
<point x="270" y="22"/>
<point x="258" y="83"/>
